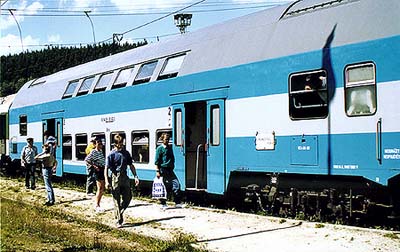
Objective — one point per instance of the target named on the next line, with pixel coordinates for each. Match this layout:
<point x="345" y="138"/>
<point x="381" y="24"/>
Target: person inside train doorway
<point x="49" y="165"/>
<point x="90" y="171"/>
<point x="165" y="164"/>
<point x="96" y="160"/>
<point x="117" y="163"/>
<point x="28" y="161"/>
<point x="51" y="141"/>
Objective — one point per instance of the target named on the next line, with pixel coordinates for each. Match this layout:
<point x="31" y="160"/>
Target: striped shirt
<point x="28" y="154"/>
<point x="96" y="157"/>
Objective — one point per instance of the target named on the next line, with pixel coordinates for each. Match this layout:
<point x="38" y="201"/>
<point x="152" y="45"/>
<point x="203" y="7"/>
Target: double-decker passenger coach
<point x="293" y="108"/>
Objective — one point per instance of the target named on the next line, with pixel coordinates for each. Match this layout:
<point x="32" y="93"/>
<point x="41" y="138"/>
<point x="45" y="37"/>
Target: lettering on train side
<point x="108" y="119"/>
<point x="392" y="153"/>
<point x="345" y="166"/>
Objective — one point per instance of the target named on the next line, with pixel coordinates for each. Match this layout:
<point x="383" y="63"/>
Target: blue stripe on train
<point x="250" y="80"/>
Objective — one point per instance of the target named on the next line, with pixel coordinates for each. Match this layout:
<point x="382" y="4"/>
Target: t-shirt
<point x="47" y="159"/>
<point x="96" y="157"/>
<point x="118" y="160"/>
<point x="28" y="154"/>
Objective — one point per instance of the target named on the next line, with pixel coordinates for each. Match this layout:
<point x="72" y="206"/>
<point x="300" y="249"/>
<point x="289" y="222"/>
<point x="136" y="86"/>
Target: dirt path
<point x="217" y="230"/>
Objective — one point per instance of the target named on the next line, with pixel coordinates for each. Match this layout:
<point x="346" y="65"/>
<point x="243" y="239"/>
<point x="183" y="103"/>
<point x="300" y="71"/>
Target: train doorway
<point x="199" y="144"/>
<point x="54" y="127"/>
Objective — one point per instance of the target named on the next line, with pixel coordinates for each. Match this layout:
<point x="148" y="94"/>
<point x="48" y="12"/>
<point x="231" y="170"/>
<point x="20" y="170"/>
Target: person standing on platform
<point x="49" y="165"/>
<point x="90" y="171"/>
<point x="28" y="161"/>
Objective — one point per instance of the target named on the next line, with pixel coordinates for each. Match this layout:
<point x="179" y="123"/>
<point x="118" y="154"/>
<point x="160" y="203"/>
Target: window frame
<point x="143" y="79"/>
<point x="124" y="82"/>
<point x="215" y="129"/>
<point x="102" y="88"/>
<point x="317" y="90"/>
<point x="351" y="86"/>
<point x="67" y="146"/>
<point x="23" y="125"/>
<point x="70" y="94"/>
<point x="171" y="74"/>
<point x="79" y="145"/>
<point x="178" y="126"/>
<point x="87" y="89"/>
<point x="113" y="133"/>
<point x="133" y="144"/>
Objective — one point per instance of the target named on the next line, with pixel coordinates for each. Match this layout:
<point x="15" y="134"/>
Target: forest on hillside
<point x="17" y="69"/>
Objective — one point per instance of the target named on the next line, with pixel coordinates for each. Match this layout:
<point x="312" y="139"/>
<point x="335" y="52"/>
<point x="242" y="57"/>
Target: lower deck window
<point x="140" y="146"/>
<point x="67" y="147"/>
<point x="80" y="146"/>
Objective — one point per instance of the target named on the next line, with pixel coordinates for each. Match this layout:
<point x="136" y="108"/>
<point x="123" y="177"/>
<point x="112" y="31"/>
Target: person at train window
<point x="96" y="160"/>
<point x="117" y="163"/>
<point x="51" y="142"/>
<point x="28" y="161"/>
<point x="49" y="165"/>
<point x="90" y="171"/>
<point x="165" y="164"/>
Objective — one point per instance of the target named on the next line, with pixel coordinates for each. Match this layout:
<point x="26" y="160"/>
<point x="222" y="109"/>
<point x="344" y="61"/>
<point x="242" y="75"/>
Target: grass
<point x="26" y="227"/>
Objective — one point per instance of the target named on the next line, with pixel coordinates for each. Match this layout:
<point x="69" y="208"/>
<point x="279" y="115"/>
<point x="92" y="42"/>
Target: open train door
<point x="54" y="127"/>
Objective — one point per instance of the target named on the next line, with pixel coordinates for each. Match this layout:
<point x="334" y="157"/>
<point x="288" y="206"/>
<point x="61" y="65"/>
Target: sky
<point x="68" y="22"/>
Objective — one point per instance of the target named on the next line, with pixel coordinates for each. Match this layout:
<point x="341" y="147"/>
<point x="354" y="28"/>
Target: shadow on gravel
<point x="251" y="233"/>
<point x="73" y="200"/>
<point x="151" y="221"/>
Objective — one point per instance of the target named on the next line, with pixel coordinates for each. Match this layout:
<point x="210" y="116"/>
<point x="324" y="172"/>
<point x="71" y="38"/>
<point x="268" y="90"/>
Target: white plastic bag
<point x="159" y="191"/>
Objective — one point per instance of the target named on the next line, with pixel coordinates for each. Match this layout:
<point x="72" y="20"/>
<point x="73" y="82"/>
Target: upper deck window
<point x="103" y="82"/>
<point x="145" y="72"/>
<point x="36" y="82"/>
<point x="308" y="96"/>
<point x="171" y="67"/>
<point x="360" y="89"/>
<point x="86" y="85"/>
<point x="70" y="89"/>
<point x="123" y="77"/>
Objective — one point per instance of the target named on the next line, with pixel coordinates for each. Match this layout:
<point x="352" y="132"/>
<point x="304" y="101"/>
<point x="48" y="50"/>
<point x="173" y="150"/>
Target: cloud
<point x="11" y="44"/>
<point x="54" y="39"/>
<point x="8" y="21"/>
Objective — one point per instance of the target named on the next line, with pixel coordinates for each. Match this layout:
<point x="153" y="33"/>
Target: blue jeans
<point x="30" y="175"/>
<point x="172" y="184"/>
<point x="47" y="174"/>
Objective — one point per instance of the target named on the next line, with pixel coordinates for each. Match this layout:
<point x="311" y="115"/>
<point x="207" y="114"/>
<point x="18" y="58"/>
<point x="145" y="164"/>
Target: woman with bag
<point x="117" y="162"/>
<point x="165" y="164"/>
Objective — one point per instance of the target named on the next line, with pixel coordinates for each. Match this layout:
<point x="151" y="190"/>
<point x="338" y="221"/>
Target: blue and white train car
<point x="307" y="90"/>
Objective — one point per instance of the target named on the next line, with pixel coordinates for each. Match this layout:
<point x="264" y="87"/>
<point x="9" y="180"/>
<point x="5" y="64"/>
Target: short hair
<point x="165" y="135"/>
<point x="118" y="141"/>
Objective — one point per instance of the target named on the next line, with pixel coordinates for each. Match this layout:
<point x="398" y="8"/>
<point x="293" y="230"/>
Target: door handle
<point x="378" y="139"/>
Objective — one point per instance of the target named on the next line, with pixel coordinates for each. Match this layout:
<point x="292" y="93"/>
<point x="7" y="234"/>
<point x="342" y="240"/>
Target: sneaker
<point x="180" y="205"/>
<point x="164" y="207"/>
<point x="98" y="209"/>
<point x="90" y="194"/>
<point x="48" y="203"/>
<point x="119" y="225"/>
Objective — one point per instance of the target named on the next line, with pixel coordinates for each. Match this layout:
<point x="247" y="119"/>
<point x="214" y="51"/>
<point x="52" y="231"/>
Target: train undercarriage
<point x="333" y="199"/>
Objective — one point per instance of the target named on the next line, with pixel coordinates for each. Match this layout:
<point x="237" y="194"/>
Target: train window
<point x="140" y="146"/>
<point x="122" y="78"/>
<point x="85" y="86"/>
<point x="23" y="125"/>
<point x="360" y="90"/>
<point x="308" y="95"/>
<point x="145" y="72"/>
<point x="113" y="134"/>
<point x="67" y="147"/>
<point x="103" y="82"/>
<point x="215" y="125"/>
<point x="36" y="82"/>
<point x="102" y="137"/>
<point x="159" y="133"/>
<point x="80" y="146"/>
<point x="178" y="123"/>
<point x="171" y="67"/>
<point x="70" y="89"/>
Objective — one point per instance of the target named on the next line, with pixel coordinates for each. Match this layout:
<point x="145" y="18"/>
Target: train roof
<point x="5" y="103"/>
<point x="284" y="30"/>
